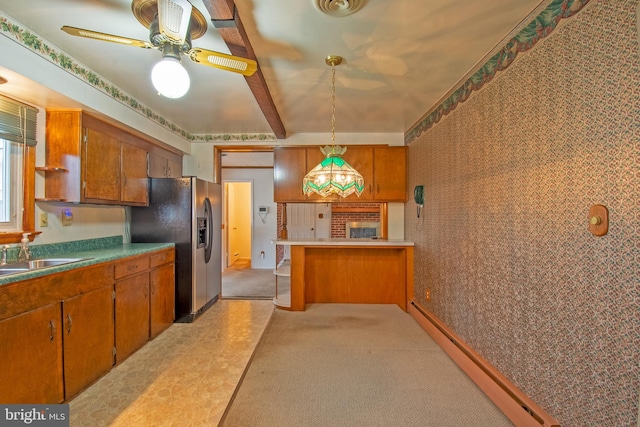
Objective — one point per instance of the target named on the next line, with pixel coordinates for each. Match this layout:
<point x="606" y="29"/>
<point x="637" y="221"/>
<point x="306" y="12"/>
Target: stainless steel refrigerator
<point x="185" y="211"/>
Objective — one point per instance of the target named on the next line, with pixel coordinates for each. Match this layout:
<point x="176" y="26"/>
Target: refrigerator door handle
<point x="209" y="231"/>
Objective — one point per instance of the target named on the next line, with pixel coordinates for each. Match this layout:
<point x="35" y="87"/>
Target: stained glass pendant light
<point x="333" y="175"/>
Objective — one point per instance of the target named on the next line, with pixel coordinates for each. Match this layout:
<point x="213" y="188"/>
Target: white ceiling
<point x="401" y="58"/>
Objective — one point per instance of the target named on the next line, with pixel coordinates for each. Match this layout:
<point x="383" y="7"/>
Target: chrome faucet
<point x="24" y="254"/>
<point x="3" y="261"/>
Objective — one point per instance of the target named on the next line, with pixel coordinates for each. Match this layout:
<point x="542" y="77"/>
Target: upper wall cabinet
<point x="164" y="165"/>
<point x="289" y="168"/>
<point x="382" y="167"/>
<point x="88" y="160"/>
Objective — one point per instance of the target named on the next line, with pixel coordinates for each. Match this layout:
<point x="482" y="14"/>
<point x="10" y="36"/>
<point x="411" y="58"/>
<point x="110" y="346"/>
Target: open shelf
<point x="283" y="284"/>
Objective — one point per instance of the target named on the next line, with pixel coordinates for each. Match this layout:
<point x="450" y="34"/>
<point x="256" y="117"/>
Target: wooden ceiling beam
<point x="225" y="18"/>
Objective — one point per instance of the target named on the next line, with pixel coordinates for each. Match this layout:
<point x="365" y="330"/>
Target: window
<point x="17" y="165"/>
<point x="10" y="185"/>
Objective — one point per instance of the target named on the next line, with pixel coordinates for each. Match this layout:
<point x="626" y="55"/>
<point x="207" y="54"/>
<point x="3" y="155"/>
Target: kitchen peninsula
<point x="368" y="271"/>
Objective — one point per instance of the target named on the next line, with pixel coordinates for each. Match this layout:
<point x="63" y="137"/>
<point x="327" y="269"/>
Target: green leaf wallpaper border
<point x="526" y="39"/>
<point x="40" y="46"/>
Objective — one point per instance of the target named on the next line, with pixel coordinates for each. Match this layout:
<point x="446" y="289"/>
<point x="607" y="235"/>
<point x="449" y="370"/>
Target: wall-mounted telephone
<point x="418" y="196"/>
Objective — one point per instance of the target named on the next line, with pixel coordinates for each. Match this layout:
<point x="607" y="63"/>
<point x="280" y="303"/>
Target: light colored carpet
<point x="355" y="365"/>
<point x="248" y="283"/>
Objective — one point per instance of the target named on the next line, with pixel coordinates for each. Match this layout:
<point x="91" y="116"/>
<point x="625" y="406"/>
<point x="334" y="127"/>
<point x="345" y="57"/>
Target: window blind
<point x="17" y="121"/>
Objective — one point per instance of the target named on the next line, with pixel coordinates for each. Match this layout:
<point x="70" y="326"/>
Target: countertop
<point x="92" y="253"/>
<point x="343" y="242"/>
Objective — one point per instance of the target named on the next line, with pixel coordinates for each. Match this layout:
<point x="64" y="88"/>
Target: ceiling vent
<point x="338" y="7"/>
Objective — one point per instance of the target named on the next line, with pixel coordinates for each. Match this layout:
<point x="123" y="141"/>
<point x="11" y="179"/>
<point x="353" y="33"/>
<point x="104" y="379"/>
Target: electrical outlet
<point x="44" y="219"/>
<point x="67" y="217"/>
<point x="427" y="295"/>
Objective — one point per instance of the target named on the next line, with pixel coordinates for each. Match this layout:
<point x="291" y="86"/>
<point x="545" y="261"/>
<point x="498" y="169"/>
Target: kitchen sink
<point x="36" y="264"/>
<point x="51" y="262"/>
<point x="6" y="269"/>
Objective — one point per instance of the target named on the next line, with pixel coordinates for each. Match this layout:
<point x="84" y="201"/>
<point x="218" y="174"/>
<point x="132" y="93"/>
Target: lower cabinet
<point x="132" y="314"/>
<point x="59" y="333"/>
<point x="162" y="299"/>
<point x="87" y="337"/>
<point x="31" y="357"/>
<point x="145" y="300"/>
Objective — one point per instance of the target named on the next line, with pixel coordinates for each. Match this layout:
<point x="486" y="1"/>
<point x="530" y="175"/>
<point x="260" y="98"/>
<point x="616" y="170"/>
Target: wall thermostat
<point x="263" y="211"/>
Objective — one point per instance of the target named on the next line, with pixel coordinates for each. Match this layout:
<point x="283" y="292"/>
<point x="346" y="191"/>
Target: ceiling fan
<point x="172" y="25"/>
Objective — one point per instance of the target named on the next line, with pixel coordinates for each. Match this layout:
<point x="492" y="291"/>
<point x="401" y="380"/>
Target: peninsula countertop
<point x="343" y="242"/>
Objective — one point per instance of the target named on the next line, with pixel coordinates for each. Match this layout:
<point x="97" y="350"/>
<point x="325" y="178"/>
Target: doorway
<point x="239" y="279"/>
<point x="238" y="219"/>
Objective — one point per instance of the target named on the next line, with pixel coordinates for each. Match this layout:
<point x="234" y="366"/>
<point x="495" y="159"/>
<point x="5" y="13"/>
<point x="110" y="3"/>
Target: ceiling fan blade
<point x="173" y="19"/>
<point x="106" y="37"/>
<point x="223" y="61"/>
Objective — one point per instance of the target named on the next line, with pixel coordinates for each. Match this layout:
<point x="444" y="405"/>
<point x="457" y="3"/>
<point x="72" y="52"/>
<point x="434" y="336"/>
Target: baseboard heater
<point x="521" y="410"/>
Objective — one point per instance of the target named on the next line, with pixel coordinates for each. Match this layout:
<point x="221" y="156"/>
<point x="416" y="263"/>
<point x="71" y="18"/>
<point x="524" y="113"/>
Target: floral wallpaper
<point x="503" y="244"/>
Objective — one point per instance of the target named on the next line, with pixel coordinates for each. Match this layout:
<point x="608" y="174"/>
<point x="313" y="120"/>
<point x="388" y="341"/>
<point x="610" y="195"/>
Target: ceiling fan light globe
<point x="170" y="78"/>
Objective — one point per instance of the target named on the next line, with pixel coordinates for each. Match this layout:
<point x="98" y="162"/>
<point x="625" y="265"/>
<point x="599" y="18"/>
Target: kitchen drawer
<point x="162" y="257"/>
<point x="131" y="266"/>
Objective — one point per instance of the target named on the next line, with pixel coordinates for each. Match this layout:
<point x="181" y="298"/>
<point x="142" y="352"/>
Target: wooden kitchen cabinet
<point x="59" y="332"/>
<point x="31" y="357"/>
<point x="361" y="159"/>
<point x="289" y="168"/>
<point x="162" y="297"/>
<point x="132" y="314"/>
<point x="134" y="186"/>
<point x="164" y="165"/>
<point x="390" y="174"/>
<point x="144" y="300"/>
<point x="101" y="167"/>
<point x="131" y="305"/>
<point x="88" y="329"/>
<point x="88" y="160"/>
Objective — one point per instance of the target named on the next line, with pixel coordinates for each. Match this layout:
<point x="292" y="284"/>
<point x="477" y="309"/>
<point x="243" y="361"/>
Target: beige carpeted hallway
<point x="355" y="365"/>
<point x="242" y="282"/>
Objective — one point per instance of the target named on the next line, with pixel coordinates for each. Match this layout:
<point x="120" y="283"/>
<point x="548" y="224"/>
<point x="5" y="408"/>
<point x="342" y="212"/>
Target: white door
<point x="301" y="221"/>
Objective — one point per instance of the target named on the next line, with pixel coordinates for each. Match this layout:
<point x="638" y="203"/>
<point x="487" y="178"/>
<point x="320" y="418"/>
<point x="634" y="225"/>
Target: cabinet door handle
<point x="69" y="323"/>
<point x="52" y="330"/>
<point x="132" y="267"/>
<point x="146" y="291"/>
<point x="153" y="288"/>
<point x="370" y="189"/>
<point x="378" y="188"/>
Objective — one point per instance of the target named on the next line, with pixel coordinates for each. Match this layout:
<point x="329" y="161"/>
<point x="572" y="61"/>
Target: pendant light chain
<point x="333" y="105"/>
